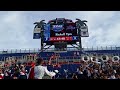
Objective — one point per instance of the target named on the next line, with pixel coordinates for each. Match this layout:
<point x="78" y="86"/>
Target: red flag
<point x="31" y="74"/>
<point x="1" y="77"/>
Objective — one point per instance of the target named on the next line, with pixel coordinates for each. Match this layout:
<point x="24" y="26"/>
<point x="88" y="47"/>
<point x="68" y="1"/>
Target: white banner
<point x="84" y="28"/>
<point x="37" y="30"/>
<point x="36" y="33"/>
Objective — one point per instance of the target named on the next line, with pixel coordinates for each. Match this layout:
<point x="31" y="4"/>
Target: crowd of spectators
<point x="86" y="70"/>
<point x="93" y="70"/>
<point x="16" y="70"/>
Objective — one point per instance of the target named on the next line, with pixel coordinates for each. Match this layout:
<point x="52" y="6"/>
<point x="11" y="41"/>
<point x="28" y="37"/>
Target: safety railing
<point x="7" y="51"/>
<point x="24" y="59"/>
<point x="60" y="59"/>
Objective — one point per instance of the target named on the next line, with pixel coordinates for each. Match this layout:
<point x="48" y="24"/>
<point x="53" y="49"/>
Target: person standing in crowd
<point x="1" y="74"/>
<point x="80" y="73"/>
<point x="23" y="74"/>
<point x="6" y="74"/>
<point x="117" y="76"/>
<point x="74" y="76"/>
<point x="16" y="72"/>
<point x="40" y="71"/>
<point x="30" y="75"/>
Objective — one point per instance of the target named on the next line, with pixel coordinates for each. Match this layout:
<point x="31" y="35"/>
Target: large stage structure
<point x="60" y="34"/>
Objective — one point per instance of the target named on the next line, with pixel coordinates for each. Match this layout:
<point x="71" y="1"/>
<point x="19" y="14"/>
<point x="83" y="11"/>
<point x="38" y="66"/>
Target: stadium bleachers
<point x="65" y="55"/>
<point x="69" y="61"/>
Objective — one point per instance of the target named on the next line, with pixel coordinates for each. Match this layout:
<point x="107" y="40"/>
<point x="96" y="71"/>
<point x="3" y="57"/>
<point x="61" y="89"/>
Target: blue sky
<point x="16" y="27"/>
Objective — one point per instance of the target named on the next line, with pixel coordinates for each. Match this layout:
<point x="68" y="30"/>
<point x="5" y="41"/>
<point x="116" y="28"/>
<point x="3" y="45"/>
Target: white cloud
<point x="12" y="30"/>
<point x="16" y="27"/>
<point x="102" y="27"/>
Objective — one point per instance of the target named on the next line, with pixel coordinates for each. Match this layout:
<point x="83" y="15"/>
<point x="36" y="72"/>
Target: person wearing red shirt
<point x="1" y="74"/>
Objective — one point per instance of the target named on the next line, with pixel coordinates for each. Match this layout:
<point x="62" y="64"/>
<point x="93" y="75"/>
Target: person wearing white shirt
<point x="40" y="71"/>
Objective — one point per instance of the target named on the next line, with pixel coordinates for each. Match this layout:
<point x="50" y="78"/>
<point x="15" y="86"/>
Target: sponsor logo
<point x="75" y="38"/>
<point x="70" y="27"/>
<point x="68" y="34"/>
<point x="60" y="34"/>
<point x="60" y="38"/>
<point x="57" y="28"/>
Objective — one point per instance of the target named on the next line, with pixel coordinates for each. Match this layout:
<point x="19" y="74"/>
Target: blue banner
<point x="46" y="32"/>
<point x="74" y="37"/>
<point x="36" y="36"/>
<point x="57" y="28"/>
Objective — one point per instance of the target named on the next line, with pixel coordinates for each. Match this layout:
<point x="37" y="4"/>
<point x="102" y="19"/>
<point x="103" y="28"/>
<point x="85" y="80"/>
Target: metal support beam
<point x="75" y="47"/>
<point x="42" y="44"/>
<point x="47" y="47"/>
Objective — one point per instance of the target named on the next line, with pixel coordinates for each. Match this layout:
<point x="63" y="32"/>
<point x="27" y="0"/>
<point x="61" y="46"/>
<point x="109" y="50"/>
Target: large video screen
<point x="61" y="32"/>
